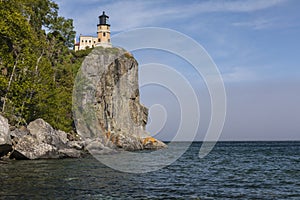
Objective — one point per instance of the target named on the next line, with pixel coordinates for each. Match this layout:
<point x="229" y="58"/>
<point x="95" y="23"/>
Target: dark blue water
<point x="233" y="170"/>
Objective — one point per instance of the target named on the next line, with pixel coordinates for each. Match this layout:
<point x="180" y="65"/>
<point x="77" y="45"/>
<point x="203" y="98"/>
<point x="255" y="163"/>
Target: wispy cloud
<point x="208" y="22"/>
<point x="257" y="24"/>
<point x="236" y="6"/>
<point x="145" y="13"/>
<point x="132" y="13"/>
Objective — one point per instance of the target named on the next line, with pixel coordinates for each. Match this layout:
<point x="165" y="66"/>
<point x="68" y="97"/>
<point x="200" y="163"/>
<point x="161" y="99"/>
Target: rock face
<point x="108" y="101"/>
<point x="5" y="143"/>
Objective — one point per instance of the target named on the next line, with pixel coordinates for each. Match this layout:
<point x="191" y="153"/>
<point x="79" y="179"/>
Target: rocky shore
<point x="40" y="141"/>
<point x="36" y="141"/>
<point x="108" y="94"/>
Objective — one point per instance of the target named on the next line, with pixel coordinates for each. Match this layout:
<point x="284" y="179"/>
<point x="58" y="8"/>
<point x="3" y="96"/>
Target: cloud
<point x="145" y="13"/>
<point x="129" y="14"/>
<point x="237" y="6"/>
<point x="257" y="24"/>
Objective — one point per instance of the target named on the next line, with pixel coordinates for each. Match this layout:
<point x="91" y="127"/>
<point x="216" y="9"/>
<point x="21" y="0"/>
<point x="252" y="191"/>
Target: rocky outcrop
<point x="108" y="101"/>
<point x="43" y="142"/>
<point x="36" y="141"/>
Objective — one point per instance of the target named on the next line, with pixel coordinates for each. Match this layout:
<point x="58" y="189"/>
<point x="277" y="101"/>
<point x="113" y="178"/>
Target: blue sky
<point x="255" y="45"/>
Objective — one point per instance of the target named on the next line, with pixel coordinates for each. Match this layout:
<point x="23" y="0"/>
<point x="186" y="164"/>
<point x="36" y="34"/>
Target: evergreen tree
<point x="37" y="66"/>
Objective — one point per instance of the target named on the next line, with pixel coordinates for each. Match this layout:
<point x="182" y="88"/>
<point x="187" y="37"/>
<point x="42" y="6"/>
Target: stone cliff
<point x="108" y="103"/>
<point x="107" y="113"/>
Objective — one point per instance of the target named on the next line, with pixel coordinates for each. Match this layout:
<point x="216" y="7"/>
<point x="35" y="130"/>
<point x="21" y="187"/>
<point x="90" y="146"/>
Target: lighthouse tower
<point x="103" y="31"/>
<point x="102" y="39"/>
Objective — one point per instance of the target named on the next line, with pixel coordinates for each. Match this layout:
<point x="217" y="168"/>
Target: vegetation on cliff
<point x="37" y="67"/>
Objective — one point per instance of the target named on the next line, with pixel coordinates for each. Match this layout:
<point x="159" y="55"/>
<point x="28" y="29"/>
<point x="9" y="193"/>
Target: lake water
<point x="233" y="170"/>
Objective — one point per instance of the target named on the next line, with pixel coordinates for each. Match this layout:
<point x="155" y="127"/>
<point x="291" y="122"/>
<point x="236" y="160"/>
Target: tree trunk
<point x="9" y="84"/>
<point x="36" y="74"/>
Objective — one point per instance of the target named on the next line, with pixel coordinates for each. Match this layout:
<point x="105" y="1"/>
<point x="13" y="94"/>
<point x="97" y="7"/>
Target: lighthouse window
<point x="104" y="34"/>
<point x="99" y="40"/>
<point x="89" y="41"/>
<point x="82" y="41"/>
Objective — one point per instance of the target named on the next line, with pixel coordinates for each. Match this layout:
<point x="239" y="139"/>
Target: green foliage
<point x="37" y="67"/>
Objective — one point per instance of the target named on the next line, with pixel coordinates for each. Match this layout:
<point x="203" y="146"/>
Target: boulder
<point x="63" y="137"/>
<point x="29" y="147"/>
<point x="5" y="142"/>
<point x="4" y="131"/>
<point x="97" y="147"/>
<point x="69" y="153"/>
<point x="45" y="133"/>
<point x="18" y="133"/>
<point x="42" y="141"/>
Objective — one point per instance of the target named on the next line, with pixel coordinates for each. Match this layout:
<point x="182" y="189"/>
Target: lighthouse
<point x="102" y="39"/>
<point x="103" y="31"/>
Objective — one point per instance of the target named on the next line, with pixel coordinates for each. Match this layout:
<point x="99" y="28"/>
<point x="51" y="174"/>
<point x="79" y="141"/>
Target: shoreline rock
<point x="38" y="141"/>
<point x="5" y="142"/>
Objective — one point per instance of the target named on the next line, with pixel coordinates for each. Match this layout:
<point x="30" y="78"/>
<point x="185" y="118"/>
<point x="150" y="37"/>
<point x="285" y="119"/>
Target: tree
<point x="37" y="66"/>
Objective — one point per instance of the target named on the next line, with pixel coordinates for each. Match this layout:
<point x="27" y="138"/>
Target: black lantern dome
<point x="103" y="19"/>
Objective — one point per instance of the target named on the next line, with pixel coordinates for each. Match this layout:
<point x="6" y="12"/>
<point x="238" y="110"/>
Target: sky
<point x="254" y="44"/>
